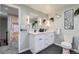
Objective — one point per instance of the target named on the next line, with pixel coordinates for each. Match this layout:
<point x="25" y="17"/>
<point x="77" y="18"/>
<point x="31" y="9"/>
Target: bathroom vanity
<point x="40" y="40"/>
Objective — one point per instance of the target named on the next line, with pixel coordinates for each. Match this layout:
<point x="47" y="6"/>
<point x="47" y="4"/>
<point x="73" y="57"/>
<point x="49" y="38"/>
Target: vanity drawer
<point x="37" y="37"/>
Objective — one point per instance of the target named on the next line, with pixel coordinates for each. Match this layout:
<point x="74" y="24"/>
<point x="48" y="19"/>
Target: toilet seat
<point x="66" y="45"/>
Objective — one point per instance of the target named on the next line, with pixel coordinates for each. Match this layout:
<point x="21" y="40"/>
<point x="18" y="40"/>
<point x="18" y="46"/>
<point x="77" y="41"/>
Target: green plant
<point x="76" y="12"/>
<point x="33" y="24"/>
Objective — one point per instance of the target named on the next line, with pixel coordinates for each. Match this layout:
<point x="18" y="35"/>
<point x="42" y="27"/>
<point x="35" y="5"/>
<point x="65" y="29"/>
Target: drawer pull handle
<point x="51" y="35"/>
<point x="40" y="39"/>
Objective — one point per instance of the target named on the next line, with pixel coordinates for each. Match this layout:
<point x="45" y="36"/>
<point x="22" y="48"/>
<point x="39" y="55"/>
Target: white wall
<point x="59" y="22"/>
<point x="9" y="28"/>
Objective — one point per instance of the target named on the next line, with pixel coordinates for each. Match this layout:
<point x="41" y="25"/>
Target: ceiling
<point x="4" y="10"/>
<point x="50" y="9"/>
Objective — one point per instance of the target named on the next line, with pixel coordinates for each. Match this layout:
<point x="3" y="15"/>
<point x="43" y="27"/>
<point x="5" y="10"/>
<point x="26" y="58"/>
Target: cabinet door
<point x="39" y="43"/>
<point x="24" y="40"/>
<point x="50" y="38"/>
<point x="46" y="43"/>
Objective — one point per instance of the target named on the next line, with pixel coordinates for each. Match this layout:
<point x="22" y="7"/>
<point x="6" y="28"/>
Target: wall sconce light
<point x="40" y="21"/>
<point x="28" y="19"/>
<point x="58" y="16"/>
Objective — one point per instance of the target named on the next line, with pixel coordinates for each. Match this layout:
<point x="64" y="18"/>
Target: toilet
<point x="67" y="44"/>
<point x="66" y="47"/>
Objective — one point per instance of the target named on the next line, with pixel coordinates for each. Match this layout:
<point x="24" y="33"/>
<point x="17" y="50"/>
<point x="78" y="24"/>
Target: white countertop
<point x="34" y="33"/>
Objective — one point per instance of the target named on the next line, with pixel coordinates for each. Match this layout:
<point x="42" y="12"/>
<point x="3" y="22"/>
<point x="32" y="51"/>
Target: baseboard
<point x="24" y="50"/>
<point x="57" y="44"/>
<point x="75" y="50"/>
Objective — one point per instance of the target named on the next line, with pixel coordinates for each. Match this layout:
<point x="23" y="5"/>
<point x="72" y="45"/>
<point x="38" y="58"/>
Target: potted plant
<point x="34" y="25"/>
<point x="76" y="12"/>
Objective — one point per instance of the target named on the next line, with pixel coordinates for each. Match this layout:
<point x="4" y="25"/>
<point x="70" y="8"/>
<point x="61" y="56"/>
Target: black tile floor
<point x="53" y="49"/>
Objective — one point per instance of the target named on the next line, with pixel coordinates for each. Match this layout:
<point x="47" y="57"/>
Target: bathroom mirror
<point x="36" y="22"/>
<point x="33" y="21"/>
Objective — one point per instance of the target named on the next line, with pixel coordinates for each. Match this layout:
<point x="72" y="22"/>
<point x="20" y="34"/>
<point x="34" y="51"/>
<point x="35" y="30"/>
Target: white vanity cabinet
<point x="40" y="41"/>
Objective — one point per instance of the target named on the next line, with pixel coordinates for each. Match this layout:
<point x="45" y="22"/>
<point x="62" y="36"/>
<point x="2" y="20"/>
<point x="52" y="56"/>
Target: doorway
<point x="3" y="31"/>
<point x="9" y="29"/>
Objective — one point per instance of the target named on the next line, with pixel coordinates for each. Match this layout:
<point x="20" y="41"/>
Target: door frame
<point x="14" y="6"/>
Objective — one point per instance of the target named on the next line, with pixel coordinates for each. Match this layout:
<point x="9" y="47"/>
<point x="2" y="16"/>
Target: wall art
<point x="69" y="19"/>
